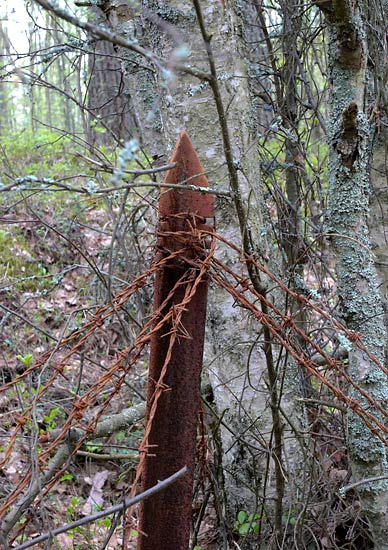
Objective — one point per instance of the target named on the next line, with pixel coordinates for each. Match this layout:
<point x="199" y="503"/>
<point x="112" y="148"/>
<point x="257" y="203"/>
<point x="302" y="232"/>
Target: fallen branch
<point x="343" y="490"/>
<point x="106" y="426"/>
<point x="112" y="510"/>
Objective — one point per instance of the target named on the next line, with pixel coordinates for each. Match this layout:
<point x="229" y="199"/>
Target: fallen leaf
<point x="65" y="541"/>
<point x="95" y="499"/>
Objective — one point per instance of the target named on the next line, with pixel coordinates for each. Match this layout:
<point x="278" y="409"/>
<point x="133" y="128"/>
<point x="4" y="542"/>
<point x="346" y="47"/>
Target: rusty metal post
<point x="165" y="518"/>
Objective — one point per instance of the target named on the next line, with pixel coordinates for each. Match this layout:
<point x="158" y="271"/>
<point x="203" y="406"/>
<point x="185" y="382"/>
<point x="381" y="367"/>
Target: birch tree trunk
<point x="349" y="172"/>
<point x="171" y="30"/>
<point x="221" y="117"/>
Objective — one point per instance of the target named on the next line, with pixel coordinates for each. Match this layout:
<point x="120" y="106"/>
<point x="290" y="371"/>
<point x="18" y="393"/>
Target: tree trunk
<point x="108" y="97"/>
<point x="184" y="101"/>
<point x="221" y="118"/>
<point x="350" y="156"/>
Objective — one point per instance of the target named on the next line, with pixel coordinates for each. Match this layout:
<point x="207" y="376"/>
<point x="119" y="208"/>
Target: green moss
<point x="19" y="267"/>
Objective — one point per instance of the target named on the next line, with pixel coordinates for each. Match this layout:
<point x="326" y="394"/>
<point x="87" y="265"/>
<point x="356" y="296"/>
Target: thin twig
<point x="330" y="404"/>
<point x="347" y="488"/>
<point x="110" y="168"/>
<point x="113" y="189"/>
<point x="108" y="456"/>
<point x="118" y="40"/>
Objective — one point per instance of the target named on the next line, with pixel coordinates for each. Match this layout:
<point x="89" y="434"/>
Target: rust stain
<point x="188" y="170"/>
<point x="165" y="518"/>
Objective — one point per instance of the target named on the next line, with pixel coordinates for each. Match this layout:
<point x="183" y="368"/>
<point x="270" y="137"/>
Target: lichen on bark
<point x="361" y="305"/>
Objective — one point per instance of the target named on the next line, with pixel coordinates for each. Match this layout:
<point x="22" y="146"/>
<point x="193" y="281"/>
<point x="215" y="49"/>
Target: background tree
<point x="350" y="138"/>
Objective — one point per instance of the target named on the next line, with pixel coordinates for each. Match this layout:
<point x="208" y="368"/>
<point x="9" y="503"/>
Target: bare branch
<point x="64" y="187"/>
<point x="106" y="426"/>
<point x="109" y="511"/>
<point x="117" y="39"/>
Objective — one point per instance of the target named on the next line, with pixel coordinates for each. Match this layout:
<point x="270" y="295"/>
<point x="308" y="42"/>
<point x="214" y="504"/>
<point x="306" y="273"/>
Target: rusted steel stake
<point x="166" y="517"/>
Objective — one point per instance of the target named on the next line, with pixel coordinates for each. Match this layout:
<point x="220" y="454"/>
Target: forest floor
<point x="47" y="291"/>
<point x="55" y="259"/>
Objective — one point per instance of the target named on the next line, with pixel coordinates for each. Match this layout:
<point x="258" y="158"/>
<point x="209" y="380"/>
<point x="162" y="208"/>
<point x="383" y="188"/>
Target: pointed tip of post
<point x="183" y="151"/>
<point x="188" y="170"/>
<point x="185" y="142"/>
<point x="184" y="135"/>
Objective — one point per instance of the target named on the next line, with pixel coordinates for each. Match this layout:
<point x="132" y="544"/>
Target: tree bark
<point x="183" y="101"/>
<point x="221" y="116"/>
<point x="349" y="172"/>
<point x="108" y="98"/>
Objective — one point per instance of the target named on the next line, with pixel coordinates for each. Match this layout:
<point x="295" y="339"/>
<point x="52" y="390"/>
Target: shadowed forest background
<point x="286" y="106"/>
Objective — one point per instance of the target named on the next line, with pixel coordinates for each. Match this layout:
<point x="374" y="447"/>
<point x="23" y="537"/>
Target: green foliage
<point x="26" y="359"/>
<point x="19" y="266"/>
<point x="74" y="503"/>
<point x="44" y="153"/>
<point x="107" y="522"/>
<point x="246" y="523"/>
<point x="96" y="126"/>
<point x="66" y="477"/>
<point x="50" y="419"/>
<point x="93" y="448"/>
<point x="289" y="519"/>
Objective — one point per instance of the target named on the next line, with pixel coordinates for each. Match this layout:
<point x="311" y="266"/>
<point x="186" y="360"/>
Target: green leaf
<point x="244" y="529"/>
<point x="241" y="516"/>
<point x="26" y="359"/>
<point x="66" y="477"/>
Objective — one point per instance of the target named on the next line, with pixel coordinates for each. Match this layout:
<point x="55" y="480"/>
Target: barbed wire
<point x="200" y="261"/>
